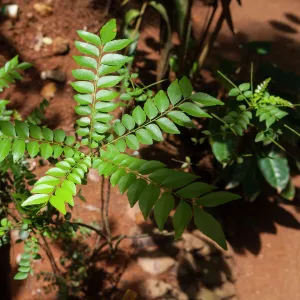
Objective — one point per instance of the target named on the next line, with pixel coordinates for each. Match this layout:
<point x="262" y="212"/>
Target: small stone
<point x="156" y="265"/>
<point x="48" y="91"/>
<point x="192" y="242"/>
<point x="208" y="248"/>
<point x="12" y="11"/>
<point x="60" y="46"/>
<point x="206" y="294"/>
<point x="91" y="207"/>
<point x="56" y="75"/>
<point x="226" y="291"/>
<point x="93" y="175"/>
<point x="47" y="40"/>
<point x="153" y="289"/>
<point x="29" y="16"/>
<point x="38" y="42"/>
<point x="43" y="9"/>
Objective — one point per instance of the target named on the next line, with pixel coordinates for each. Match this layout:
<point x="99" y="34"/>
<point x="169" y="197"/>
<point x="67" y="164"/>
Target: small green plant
<point x="248" y="141"/>
<point x="101" y="142"/>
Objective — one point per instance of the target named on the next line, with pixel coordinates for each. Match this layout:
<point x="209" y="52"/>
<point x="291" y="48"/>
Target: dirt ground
<point x="266" y="243"/>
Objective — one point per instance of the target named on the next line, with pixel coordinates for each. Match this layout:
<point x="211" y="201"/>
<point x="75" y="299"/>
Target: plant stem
<point x="106" y="220"/>
<point x="292" y="130"/>
<point x="50" y="256"/>
<point x="98" y="231"/>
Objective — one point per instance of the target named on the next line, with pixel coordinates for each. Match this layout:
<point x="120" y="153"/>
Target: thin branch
<point x="50" y="256"/>
<point x="106" y="220"/>
<point x="98" y="231"/>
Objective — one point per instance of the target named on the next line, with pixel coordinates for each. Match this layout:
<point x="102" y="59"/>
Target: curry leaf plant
<point x="105" y="143"/>
<point x="246" y="139"/>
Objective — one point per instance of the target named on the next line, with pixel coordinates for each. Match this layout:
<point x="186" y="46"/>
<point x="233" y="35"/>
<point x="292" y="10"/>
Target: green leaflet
<point x="193" y="110"/>
<point x="83" y="87"/>
<point x="119" y="128"/>
<point x="33" y="149"/>
<point x="115" y="59"/>
<point x="82" y="74"/>
<point x="86" y="48"/>
<point x="4" y="149"/>
<point x="135" y="191"/>
<point x="128" y="122"/>
<point x="148" y="198"/>
<point x="22" y="129"/>
<point x="167" y="126"/>
<point x="185" y="87"/>
<point x="150" y="109"/>
<point x="132" y="142"/>
<point x="195" y="189"/>
<point x="174" y="92"/>
<point x="18" y="149"/>
<point x="116" y="45"/>
<point x="205" y="99"/>
<point x="163" y="208"/>
<point x="155" y="132"/>
<point x="139" y="115"/>
<point x="161" y="101"/>
<point x="125" y="182"/>
<point x="36" y="199"/>
<point x="89" y="37"/>
<point x="144" y="137"/>
<point x="224" y="148"/>
<point x="109" y="31"/>
<point x="208" y="225"/>
<point x="216" y="198"/>
<point x="86" y="62"/>
<point x="180" y="118"/>
<point x="275" y="170"/>
<point x="181" y="218"/>
<point x="108" y="81"/>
